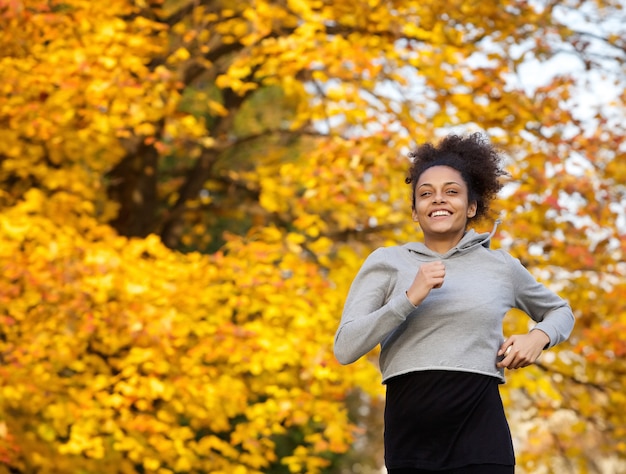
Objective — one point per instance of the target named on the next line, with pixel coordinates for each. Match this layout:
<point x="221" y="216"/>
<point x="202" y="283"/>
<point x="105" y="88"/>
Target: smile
<point x="440" y="213"/>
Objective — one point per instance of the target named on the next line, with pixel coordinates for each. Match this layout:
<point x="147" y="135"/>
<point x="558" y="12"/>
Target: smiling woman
<point x="442" y="207"/>
<point x="436" y="309"/>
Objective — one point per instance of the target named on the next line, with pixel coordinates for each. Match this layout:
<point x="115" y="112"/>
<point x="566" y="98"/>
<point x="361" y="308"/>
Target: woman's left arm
<point x="554" y="317"/>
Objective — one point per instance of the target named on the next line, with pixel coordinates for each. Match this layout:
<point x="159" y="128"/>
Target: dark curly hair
<point x="473" y="156"/>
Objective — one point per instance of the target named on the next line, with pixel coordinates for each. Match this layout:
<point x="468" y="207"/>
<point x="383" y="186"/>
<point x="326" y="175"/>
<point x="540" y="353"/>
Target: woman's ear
<point x="414" y="215"/>
<point x="471" y="210"/>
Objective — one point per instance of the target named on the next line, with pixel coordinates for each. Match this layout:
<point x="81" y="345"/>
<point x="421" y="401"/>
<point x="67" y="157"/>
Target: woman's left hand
<point x="522" y="350"/>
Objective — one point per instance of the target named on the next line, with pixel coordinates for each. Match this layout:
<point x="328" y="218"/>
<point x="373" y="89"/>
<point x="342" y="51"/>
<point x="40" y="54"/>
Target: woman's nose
<point x="438" y="197"/>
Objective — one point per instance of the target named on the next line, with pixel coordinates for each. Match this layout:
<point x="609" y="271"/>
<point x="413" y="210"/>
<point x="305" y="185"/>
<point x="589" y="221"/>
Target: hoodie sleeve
<point x="369" y="314"/>
<point x="551" y="312"/>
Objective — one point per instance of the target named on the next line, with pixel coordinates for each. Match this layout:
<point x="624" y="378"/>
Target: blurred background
<point x="188" y="188"/>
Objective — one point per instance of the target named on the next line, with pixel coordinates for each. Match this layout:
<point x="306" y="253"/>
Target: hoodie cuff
<point x="401" y="306"/>
<point x="547" y="331"/>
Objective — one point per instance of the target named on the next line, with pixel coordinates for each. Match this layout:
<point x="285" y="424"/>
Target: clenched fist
<point x="430" y="275"/>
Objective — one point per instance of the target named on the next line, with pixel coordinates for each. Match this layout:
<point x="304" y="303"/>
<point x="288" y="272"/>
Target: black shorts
<point x="472" y="469"/>
<point x="444" y="420"/>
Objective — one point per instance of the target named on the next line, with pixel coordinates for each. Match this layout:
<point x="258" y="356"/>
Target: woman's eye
<point x="452" y="191"/>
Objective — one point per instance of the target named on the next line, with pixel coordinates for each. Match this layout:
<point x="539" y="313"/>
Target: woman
<point x="436" y="308"/>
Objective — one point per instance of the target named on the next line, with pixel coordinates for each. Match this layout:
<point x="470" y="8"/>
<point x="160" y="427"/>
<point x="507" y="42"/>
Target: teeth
<point x="440" y="213"/>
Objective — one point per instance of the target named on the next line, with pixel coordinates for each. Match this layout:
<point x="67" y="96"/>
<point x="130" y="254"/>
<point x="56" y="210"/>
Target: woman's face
<point x="442" y="205"/>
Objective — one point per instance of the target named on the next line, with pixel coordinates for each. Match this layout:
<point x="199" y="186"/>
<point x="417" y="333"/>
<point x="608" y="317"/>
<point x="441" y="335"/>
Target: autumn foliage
<point x="188" y="188"/>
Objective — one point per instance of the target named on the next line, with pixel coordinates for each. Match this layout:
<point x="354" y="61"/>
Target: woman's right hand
<point x="430" y="275"/>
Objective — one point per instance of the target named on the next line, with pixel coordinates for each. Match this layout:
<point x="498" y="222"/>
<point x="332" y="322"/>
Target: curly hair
<point x="474" y="157"/>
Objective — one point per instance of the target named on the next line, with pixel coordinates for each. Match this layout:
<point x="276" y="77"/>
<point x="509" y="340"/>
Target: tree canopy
<point x="188" y="188"/>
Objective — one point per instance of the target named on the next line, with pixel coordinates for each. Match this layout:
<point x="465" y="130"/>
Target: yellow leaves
<point x="44" y="105"/>
<point x="145" y="129"/>
<point x="139" y="338"/>
<point x="12" y="230"/>
<point x="414" y="31"/>
<point x="151" y="464"/>
<point x="181" y="54"/>
<point x="217" y="108"/>
<point x="71" y="86"/>
<point x="301" y="461"/>
<point x="81" y="442"/>
<point x="339" y="93"/>
<point x="235" y="83"/>
<point x="195" y="363"/>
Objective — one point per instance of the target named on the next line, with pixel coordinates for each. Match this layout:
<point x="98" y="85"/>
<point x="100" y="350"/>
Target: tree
<point x="214" y="172"/>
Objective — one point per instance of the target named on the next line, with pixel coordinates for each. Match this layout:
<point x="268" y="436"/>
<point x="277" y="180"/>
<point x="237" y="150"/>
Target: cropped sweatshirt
<point x="458" y="326"/>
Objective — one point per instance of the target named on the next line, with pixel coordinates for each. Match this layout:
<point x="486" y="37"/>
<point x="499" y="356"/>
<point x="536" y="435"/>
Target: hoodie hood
<point x="470" y="240"/>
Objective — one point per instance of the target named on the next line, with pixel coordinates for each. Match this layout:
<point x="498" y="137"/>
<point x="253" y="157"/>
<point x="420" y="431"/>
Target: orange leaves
<point x="148" y="356"/>
<point x="291" y="119"/>
<point x="342" y="186"/>
<point x="70" y="88"/>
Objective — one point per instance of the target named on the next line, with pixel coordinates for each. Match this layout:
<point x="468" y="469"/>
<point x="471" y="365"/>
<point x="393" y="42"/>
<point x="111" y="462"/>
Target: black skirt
<point x="439" y="419"/>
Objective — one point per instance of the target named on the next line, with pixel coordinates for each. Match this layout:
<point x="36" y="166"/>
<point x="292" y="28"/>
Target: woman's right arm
<point x="369" y="314"/>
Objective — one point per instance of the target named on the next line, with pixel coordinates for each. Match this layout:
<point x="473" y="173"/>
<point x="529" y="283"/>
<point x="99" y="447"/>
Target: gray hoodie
<point x="458" y="326"/>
